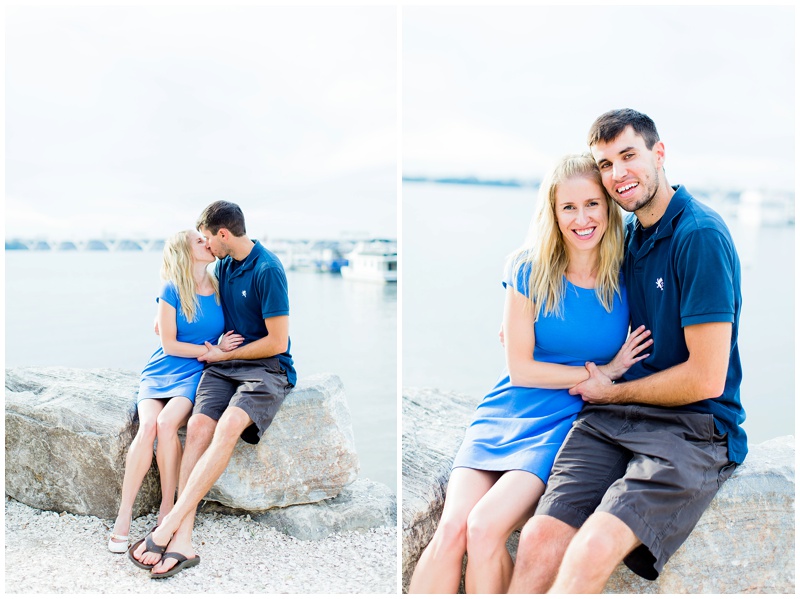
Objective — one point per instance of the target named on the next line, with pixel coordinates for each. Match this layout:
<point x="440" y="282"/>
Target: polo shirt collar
<point x="249" y="261"/>
<point x="666" y="224"/>
<point x="676" y="205"/>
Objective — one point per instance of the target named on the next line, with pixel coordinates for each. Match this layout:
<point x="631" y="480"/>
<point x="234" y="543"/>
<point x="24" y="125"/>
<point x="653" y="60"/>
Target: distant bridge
<point x="84" y="245"/>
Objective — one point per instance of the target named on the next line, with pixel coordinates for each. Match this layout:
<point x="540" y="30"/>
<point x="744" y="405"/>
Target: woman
<point x="565" y="305"/>
<point x="189" y="314"/>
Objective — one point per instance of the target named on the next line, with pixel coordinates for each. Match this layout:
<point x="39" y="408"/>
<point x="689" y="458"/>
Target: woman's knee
<point x="148" y="428"/>
<point x="483" y="534"/>
<point x="451" y="535"/>
<point x="167" y="426"/>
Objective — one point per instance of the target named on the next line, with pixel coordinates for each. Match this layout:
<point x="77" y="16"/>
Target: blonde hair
<point x="176" y="266"/>
<point x="545" y="252"/>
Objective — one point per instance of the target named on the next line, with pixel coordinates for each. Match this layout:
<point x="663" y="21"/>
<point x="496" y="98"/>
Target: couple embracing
<point x="600" y="449"/>
<point x="221" y="386"/>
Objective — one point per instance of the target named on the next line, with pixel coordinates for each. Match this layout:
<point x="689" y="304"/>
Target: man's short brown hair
<point x="222" y="215"/>
<point x="610" y="125"/>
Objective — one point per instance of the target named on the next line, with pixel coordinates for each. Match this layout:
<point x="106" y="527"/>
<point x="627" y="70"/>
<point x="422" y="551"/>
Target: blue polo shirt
<point x="683" y="271"/>
<point x="251" y="290"/>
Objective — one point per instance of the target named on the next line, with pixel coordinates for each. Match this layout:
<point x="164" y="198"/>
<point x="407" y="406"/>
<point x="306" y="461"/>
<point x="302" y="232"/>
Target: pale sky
<point x="130" y="120"/>
<point x="505" y="91"/>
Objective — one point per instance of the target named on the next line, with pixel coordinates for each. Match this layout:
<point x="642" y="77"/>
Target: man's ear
<point x="660" y="152"/>
<point x="223" y="233"/>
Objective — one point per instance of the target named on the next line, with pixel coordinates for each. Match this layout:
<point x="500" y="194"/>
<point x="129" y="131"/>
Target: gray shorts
<point x="256" y="386"/>
<point x="656" y="469"/>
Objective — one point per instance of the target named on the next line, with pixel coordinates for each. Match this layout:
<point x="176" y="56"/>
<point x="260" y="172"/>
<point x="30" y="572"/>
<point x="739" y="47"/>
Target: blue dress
<point x="522" y="428"/>
<point x="170" y="376"/>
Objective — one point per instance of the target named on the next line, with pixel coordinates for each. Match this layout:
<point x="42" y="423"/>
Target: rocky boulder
<point x="433" y="428"/>
<point x="744" y="542"/>
<point x="67" y="432"/>
<point x="362" y="505"/>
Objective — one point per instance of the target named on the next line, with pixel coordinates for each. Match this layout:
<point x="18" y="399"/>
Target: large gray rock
<point x="68" y="430"/>
<point x="361" y="506"/>
<point x="744" y="542"/>
<point x="308" y="453"/>
<point x="433" y="428"/>
<point x="67" y="434"/>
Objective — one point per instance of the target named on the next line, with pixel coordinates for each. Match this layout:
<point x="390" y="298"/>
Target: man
<point x="647" y="455"/>
<point x="240" y="391"/>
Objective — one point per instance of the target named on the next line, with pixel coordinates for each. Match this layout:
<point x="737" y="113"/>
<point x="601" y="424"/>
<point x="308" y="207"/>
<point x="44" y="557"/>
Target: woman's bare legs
<point x="505" y="507"/>
<point x="439" y="567"/>
<point x="169" y="450"/>
<point x="138" y="461"/>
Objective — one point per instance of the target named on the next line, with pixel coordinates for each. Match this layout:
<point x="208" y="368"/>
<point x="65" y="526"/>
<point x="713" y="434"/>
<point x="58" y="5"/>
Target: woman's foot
<point x="118" y="540"/>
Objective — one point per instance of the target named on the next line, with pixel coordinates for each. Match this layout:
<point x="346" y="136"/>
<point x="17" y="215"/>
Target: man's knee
<point x="543" y="533"/>
<point x="604" y="538"/>
<point x="231" y="425"/>
<point x="200" y="429"/>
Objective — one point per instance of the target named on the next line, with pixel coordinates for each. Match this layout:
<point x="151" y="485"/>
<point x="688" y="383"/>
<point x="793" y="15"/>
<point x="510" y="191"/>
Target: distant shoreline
<point x="472" y="181"/>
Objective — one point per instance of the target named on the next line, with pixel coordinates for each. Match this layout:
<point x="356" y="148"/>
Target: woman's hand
<point x="628" y="354"/>
<point x="230" y="341"/>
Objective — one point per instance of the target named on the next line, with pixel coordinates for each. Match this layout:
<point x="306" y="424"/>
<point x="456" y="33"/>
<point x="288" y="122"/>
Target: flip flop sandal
<point x="151" y="547"/>
<point x="183" y="563"/>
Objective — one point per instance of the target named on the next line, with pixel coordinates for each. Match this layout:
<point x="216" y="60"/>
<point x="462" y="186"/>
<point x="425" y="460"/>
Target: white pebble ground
<point x="48" y="552"/>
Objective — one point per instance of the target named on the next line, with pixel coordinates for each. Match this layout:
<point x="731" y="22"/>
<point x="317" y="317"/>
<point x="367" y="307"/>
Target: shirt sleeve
<point x="706" y="263"/>
<point x="518" y="275"/>
<point x="169" y="294"/>
<point x="273" y="291"/>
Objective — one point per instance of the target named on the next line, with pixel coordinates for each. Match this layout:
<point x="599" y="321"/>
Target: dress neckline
<point x="578" y="286"/>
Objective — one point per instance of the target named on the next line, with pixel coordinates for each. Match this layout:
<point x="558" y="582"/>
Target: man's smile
<point x="627" y="189"/>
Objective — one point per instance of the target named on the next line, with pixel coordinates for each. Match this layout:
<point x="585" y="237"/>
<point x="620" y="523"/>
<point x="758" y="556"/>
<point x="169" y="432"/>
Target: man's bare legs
<point x="595" y="551"/>
<point x="542" y="545"/>
<point x="209" y="447"/>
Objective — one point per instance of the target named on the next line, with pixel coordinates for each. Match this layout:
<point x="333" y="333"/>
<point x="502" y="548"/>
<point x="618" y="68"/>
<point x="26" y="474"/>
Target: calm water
<point x="96" y="310"/>
<point x="455" y="241"/>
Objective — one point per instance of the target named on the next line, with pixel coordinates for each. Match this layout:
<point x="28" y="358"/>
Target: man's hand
<point x="596" y="388"/>
<point x="214" y="354"/>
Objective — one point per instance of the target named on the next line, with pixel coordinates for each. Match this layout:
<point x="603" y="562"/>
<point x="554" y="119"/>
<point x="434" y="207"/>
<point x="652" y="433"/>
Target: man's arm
<point x="276" y="342"/>
<point x="700" y="377"/>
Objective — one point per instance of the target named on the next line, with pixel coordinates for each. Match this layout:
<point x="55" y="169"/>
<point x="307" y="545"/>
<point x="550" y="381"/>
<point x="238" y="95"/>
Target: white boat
<point x="374" y="260"/>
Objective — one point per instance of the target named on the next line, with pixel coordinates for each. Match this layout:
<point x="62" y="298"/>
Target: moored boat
<point x="374" y="260"/>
